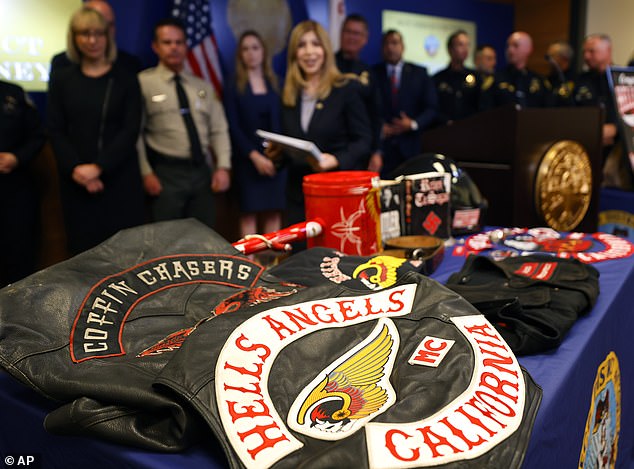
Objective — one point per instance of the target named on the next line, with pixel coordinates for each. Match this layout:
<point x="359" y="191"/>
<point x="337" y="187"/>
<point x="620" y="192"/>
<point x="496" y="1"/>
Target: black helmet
<point x="468" y="206"/>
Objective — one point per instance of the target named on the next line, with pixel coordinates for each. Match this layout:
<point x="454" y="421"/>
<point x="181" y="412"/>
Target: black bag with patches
<point x="531" y="300"/>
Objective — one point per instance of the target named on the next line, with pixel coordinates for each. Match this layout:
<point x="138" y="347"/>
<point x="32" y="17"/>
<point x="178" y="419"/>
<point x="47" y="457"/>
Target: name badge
<point x="159" y="98"/>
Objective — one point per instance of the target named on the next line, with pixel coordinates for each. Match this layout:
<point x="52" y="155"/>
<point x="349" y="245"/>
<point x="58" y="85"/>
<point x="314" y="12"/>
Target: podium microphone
<point x="557" y="68"/>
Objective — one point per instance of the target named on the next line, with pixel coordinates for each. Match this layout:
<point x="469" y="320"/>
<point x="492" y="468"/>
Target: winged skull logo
<point x="351" y="391"/>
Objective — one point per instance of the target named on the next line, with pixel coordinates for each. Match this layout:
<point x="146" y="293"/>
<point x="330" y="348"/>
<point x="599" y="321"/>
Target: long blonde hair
<point x="242" y="76"/>
<point x="330" y="74"/>
<point x="87" y="18"/>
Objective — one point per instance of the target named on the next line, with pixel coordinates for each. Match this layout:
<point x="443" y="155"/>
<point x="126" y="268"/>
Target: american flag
<point x="336" y="16"/>
<point x="203" y="58"/>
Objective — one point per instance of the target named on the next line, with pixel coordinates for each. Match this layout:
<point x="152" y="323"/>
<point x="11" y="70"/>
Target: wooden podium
<point x="501" y="150"/>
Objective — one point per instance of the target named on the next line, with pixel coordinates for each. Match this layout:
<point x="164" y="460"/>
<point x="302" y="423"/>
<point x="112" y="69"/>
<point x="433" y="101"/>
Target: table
<point x="566" y="375"/>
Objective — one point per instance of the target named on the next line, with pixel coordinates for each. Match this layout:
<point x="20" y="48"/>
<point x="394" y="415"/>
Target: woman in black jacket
<point x="322" y="105"/>
<point x="94" y="115"/>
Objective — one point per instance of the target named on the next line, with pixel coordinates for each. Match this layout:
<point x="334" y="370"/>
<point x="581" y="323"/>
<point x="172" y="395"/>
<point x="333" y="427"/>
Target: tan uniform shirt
<point x="164" y="129"/>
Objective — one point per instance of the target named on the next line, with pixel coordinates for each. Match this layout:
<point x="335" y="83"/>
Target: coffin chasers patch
<point x="99" y="323"/>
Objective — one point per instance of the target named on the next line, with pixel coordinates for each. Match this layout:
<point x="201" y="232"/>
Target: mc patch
<point x="431" y="351"/>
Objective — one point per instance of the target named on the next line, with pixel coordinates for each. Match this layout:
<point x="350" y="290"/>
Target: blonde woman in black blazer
<point x="322" y="105"/>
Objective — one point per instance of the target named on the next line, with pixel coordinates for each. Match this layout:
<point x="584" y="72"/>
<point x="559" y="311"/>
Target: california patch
<point x="350" y="392"/>
<point x="601" y="437"/>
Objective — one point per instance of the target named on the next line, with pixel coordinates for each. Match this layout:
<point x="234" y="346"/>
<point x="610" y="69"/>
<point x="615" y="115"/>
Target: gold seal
<point x="563" y="187"/>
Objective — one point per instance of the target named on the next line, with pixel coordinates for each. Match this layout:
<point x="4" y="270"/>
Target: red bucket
<point x="348" y="204"/>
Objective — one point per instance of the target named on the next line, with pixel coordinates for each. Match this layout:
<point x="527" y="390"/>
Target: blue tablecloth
<point x="566" y="375"/>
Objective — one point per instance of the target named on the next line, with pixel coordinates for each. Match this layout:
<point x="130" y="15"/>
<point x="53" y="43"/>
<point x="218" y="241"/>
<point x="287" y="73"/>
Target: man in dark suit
<point x="124" y="59"/>
<point x="354" y="37"/>
<point x="408" y="101"/>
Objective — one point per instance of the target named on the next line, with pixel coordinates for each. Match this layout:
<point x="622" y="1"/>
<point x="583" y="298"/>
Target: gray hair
<point x="602" y="36"/>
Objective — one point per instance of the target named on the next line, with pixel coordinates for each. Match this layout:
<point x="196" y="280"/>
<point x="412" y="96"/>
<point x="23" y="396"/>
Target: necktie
<point x="394" y="88"/>
<point x="192" y="133"/>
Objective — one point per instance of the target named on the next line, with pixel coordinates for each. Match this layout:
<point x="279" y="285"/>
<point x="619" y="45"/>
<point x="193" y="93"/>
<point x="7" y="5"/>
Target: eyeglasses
<point x="88" y="33"/>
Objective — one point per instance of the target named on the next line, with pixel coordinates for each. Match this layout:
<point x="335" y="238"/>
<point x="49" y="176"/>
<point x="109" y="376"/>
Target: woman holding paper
<point x="322" y="105"/>
<point x="252" y="102"/>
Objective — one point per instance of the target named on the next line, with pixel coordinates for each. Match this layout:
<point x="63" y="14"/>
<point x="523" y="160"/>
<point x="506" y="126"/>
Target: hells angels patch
<point x="511" y="242"/>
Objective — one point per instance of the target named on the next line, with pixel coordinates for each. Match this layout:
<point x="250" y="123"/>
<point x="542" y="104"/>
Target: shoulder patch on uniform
<point x="487" y="83"/>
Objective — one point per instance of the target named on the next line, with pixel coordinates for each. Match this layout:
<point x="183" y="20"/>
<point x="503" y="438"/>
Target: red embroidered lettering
<point x="439" y="440"/>
<point x="266" y="441"/>
<point x="393" y="447"/>
<point x="248" y="412"/>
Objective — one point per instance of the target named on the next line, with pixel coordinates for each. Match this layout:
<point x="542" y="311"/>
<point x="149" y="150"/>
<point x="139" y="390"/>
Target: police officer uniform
<point x="458" y="93"/>
<point x="368" y="91"/>
<point x="522" y="87"/>
<point x="563" y="86"/>
<point x="21" y="133"/>
<point x="592" y="89"/>
<point x="186" y="184"/>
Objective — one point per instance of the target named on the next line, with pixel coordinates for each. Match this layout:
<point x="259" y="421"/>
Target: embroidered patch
<point x="99" y="323"/>
<point x="350" y="392"/>
<point x="431" y="351"/>
<point x="483" y="416"/>
<point x="601" y="436"/>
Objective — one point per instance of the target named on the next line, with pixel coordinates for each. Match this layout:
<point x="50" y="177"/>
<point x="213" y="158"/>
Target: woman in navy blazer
<point x="322" y="105"/>
<point x="251" y="102"/>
